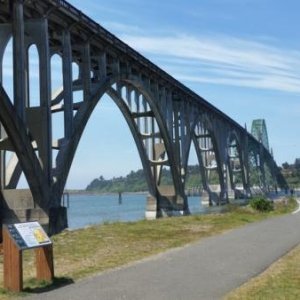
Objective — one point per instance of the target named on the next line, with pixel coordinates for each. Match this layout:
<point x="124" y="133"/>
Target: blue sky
<point x="243" y="56"/>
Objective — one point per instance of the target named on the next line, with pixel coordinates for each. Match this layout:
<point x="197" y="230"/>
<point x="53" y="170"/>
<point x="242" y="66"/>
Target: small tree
<point x="261" y="204"/>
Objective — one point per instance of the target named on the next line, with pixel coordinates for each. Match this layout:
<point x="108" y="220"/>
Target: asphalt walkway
<point x="208" y="269"/>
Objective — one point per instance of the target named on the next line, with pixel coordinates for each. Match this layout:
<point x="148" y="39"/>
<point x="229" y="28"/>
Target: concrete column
<point x="163" y="104"/>
<point x="182" y="137"/>
<point x="155" y="91"/>
<point x="186" y="119"/>
<point x="67" y="84"/>
<point x="181" y="200"/>
<point x="86" y="72"/>
<point x="169" y="114"/>
<point x="176" y="137"/>
<point x="128" y="98"/>
<point x="19" y="70"/>
<point x="185" y="135"/>
<point x="219" y="145"/>
<point x="155" y="168"/>
<point x="137" y="103"/>
<point x="115" y="67"/>
<point x="146" y="127"/>
<point x="45" y="150"/>
<point x="102" y="66"/>
<point x="230" y="175"/>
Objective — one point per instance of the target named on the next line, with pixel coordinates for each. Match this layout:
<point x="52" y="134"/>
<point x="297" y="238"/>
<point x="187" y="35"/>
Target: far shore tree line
<point x="291" y="172"/>
<point x="135" y="181"/>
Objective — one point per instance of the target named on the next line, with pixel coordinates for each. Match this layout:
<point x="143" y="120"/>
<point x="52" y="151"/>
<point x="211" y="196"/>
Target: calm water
<point x="95" y="209"/>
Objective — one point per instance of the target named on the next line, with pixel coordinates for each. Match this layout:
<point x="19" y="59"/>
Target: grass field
<point x="281" y="281"/>
<point x="88" y="251"/>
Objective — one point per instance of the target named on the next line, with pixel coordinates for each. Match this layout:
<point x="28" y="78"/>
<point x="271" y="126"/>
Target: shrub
<point x="261" y="204"/>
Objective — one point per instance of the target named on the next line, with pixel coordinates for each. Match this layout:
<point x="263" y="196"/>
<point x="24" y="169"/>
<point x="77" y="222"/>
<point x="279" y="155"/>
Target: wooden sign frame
<point x="20" y="237"/>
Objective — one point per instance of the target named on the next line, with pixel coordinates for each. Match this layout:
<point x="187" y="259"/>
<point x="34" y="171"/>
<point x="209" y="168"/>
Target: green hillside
<point x="291" y="172"/>
<point x="135" y="182"/>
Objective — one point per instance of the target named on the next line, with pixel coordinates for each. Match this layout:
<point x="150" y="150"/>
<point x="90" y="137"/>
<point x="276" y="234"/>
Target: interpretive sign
<point x="28" y="235"/>
<point x="23" y="236"/>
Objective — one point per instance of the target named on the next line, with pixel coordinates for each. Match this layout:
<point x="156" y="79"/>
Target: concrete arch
<point x="135" y="133"/>
<point x="138" y="84"/>
<point x="67" y="154"/>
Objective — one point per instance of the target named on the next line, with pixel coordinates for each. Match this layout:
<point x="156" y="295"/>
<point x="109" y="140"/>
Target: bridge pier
<point x="166" y="206"/>
<point x="18" y="205"/>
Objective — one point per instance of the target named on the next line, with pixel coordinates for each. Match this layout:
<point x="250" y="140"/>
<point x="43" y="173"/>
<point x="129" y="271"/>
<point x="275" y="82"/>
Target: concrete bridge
<point x="164" y="116"/>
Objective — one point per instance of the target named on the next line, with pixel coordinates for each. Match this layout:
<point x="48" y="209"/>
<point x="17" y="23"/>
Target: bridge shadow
<point x="40" y="286"/>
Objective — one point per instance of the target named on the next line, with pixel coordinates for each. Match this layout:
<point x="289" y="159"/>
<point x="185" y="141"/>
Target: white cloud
<point x="120" y="27"/>
<point x="214" y="59"/>
<point x="223" y="60"/>
<point x="272" y="82"/>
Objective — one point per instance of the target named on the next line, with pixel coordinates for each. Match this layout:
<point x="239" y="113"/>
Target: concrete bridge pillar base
<point x="151" y="208"/>
<point x="165" y="206"/>
<point x="18" y="206"/>
<point x="204" y="198"/>
<point x="173" y="213"/>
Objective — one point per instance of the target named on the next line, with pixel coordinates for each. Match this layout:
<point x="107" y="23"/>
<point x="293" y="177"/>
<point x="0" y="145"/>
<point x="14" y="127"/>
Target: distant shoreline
<point x="84" y="192"/>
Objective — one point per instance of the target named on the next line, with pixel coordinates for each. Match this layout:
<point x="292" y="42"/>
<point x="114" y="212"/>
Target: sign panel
<point x="28" y="235"/>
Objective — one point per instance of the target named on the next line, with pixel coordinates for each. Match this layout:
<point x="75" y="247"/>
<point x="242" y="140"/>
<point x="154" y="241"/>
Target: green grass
<point x="88" y="251"/>
<point x="281" y="281"/>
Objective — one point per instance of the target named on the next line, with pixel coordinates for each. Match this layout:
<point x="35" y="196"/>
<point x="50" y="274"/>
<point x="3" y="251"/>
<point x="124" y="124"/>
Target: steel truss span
<point x="164" y="116"/>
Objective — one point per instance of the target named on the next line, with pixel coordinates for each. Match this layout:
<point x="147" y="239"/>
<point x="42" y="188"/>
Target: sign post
<point x="24" y="236"/>
<point x="44" y="263"/>
<point x="12" y="263"/>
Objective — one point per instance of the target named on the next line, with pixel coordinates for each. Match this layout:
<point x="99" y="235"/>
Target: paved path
<point x="208" y="269"/>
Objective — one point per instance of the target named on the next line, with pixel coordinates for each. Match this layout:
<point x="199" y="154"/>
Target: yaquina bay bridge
<point x="164" y="116"/>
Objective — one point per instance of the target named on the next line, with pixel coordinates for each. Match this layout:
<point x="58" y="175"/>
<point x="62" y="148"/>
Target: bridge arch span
<point x="150" y="134"/>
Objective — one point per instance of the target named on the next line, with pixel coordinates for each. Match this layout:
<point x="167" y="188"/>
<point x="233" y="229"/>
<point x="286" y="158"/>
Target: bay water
<point x="85" y="210"/>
